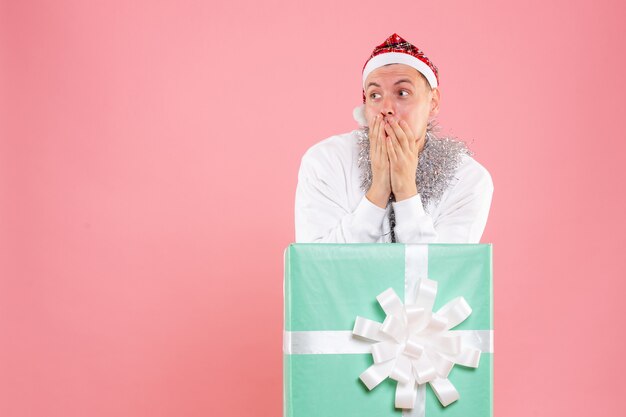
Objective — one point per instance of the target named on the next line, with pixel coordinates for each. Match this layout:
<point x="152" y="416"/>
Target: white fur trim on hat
<point x="399" y="58"/>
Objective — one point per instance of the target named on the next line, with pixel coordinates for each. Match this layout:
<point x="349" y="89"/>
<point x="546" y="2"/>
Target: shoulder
<point x="473" y="176"/>
<point x="332" y="153"/>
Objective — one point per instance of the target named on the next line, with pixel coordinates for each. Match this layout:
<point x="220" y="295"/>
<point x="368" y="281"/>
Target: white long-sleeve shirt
<point x="331" y="207"/>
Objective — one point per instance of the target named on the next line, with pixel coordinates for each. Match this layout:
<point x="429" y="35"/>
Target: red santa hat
<point x="396" y="50"/>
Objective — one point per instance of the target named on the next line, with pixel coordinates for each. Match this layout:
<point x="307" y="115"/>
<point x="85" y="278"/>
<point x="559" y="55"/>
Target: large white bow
<point x="416" y="346"/>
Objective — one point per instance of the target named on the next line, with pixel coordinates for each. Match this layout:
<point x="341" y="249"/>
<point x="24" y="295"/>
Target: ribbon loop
<point x="455" y="311"/>
<point x="442" y="365"/>
<point x="376" y="374"/>
<point x="406" y="394"/>
<point x="436" y="324"/>
<point x="468" y="356"/>
<point x="390" y="302"/>
<point x="413" y="348"/>
<point x="394" y="327"/>
<point x="383" y="351"/>
<point x="416" y="318"/>
<point x="402" y="370"/>
<point x="368" y="329"/>
<point x="424" y="370"/>
<point x="444" y="390"/>
<point x="427" y="291"/>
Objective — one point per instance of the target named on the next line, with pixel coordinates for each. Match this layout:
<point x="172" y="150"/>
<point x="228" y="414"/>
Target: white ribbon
<point x="332" y="342"/>
<point x="415" y="346"/>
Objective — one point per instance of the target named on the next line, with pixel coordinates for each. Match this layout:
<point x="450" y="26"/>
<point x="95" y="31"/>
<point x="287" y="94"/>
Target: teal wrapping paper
<point x="328" y="285"/>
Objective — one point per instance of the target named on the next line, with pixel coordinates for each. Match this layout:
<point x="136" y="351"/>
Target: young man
<point x="394" y="179"/>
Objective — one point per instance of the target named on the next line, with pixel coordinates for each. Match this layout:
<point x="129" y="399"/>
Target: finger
<point x="379" y="135"/>
<point x="381" y="128"/>
<point x="375" y="126"/>
<point x="379" y="140"/>
<point x="403" y="139"/>
<point x="373" y="136"/>
<point x="391" y="150"/>
<point x="389" y="130"/>
<point x="385" y="153"/>
<point x="412" y="140"/>
<point x="394" y="138"/>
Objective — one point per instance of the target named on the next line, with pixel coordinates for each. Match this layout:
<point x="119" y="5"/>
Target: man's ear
<point x="434" y="102"/>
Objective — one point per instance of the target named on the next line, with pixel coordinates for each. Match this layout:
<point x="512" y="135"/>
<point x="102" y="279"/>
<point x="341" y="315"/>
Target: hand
<point x="380" y="190"/>
<point x="403" y="149"/>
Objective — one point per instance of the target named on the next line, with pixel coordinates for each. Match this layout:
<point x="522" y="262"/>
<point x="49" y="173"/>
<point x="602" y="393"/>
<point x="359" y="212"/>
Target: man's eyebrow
<point x="404" y="80"/>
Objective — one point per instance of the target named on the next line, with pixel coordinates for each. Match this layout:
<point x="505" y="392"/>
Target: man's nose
<point x="388" y="108"/>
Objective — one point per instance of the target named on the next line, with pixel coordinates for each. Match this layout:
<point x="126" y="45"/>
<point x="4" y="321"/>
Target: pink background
<point x="149" y="152"/>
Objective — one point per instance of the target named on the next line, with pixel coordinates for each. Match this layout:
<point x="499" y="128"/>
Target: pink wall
<point x="148" y="161"/>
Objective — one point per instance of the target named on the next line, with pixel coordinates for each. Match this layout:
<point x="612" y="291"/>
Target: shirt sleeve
<point x="462" y="215"/>
<point x="321" y="210"/>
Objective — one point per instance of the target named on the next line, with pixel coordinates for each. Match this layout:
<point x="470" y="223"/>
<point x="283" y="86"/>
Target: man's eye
<point x="374" y="96"/>
<point x="404" y="93"/>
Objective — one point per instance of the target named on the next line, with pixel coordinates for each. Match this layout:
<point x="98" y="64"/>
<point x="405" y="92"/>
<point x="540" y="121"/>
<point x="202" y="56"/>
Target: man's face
<point x="401" y="91"/>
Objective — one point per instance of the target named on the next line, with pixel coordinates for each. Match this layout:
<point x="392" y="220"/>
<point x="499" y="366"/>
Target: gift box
<point x="366" y="325"/>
